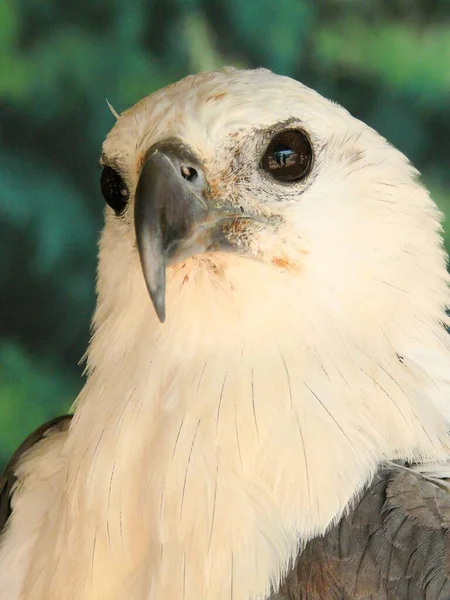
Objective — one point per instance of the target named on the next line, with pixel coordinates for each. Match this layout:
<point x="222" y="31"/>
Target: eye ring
<point x="114" y="189"/>
<point x="288" y="157"/>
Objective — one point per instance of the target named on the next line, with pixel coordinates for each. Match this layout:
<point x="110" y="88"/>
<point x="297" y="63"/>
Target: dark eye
<point x="288" y="156"/>
<point x="114" y="190"/>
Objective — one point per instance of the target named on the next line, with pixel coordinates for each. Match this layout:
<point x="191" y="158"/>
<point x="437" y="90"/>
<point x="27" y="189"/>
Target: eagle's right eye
<point x="114" y="190"/>
<point x="288" y="157"/>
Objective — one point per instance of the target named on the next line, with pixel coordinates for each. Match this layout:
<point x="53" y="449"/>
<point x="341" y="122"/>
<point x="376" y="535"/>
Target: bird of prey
<point x="266" y="409"/>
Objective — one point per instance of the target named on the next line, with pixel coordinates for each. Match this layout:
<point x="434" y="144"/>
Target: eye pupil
<point x="288" y="157"/>
<point x="114" y="189"/>
<point x="281" y="155"/>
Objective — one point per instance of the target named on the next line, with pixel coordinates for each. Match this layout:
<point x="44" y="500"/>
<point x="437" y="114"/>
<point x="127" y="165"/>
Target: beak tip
<point x="158" y="298"/>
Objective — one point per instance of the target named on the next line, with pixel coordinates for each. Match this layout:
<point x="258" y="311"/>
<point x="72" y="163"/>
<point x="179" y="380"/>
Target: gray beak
<point x="173" y="217"/>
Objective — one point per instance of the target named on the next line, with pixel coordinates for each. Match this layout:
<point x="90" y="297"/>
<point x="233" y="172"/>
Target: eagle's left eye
<point x="114" y="189"/>
<point x="288" y="156"/>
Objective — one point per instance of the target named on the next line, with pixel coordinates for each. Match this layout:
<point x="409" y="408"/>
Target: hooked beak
<point x="172" y="218"/>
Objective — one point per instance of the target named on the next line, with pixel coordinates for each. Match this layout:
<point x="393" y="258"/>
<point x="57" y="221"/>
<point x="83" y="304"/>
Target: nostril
<point x="189" y="173"/>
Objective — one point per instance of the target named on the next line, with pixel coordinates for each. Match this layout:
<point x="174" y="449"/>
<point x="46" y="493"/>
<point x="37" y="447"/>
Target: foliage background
<point x="387" y="61"/>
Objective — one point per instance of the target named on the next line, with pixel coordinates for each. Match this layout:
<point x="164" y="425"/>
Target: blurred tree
<point x="387" y="61"/>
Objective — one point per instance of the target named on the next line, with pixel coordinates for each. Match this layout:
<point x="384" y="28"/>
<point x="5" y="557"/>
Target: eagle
<point x="266" y="407"/>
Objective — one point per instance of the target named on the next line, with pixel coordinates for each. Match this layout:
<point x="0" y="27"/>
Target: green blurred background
<point x="387" y="61"/>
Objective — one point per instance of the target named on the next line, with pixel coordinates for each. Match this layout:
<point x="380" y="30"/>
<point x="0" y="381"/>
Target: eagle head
<point x="245" y="201"/>
<point x="271" y="296"/>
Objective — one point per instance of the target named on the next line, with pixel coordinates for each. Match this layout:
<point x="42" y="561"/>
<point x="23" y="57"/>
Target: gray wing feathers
<point x="8" y="478"/>
<point x="394" y="544"/>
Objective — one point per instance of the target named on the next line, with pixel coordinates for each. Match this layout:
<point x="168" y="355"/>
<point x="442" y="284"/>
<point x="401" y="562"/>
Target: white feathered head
<point x="278" y="236"/>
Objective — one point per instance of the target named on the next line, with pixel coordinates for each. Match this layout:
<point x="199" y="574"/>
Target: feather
<point x="112" y="109"/>
<point x="392" y="545"/>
